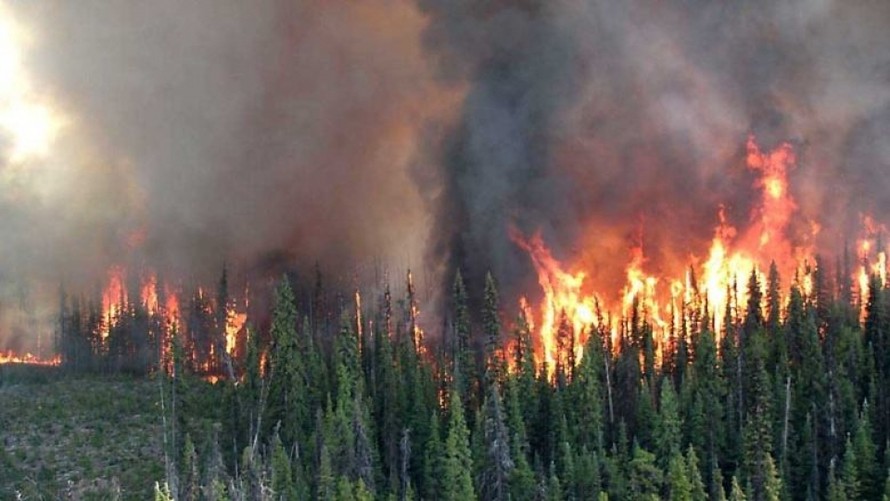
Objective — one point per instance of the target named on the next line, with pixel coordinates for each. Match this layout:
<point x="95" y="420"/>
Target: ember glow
<point x="9" y="357"/>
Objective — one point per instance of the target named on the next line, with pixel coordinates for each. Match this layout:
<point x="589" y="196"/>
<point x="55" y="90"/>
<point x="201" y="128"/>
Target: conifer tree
<point x="849" y="480"/>
<point x="190" y="488"/>
<point x="772" y="490"/>
<point x="433" y="461"/>
<point x="491" y="325"/>
<point x="588" y="420"/>
<point x="326" y="481"/>
<point x="697" y="486"/>
<point x="679" y="487"/>
<point x="836" y="490"/>
<point x="463" y="367"/>
<point x="736" y="493"/>
<point x="667" y="431"/>
<point x="457" y="464"/>
<point x="282" y="475"/>
<point x="644" y="476"/>
<point x="866" y="456"/>
<point x="287" y="389"/>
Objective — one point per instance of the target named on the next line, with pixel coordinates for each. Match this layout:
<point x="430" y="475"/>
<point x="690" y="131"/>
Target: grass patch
<point x="85" y="438"/>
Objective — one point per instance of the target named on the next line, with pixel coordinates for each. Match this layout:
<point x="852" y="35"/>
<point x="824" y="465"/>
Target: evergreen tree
<point x="836" y="490"/>
<point x="866" y="457"/>
<point x="773" y="483"/>
<point x="491" y="325"/>
<point x="667" y="432"/>
<point x="679" y="487"/>
<point x="644" y="476"/>
<point x="432" y="481"/>
<point x="463" y="367"/>
<point x="849" y="481"/>
<point x="457" y="464"/>
<point x="736" y="493"/>
<point x="190" y="488"/>
<point x="282" y="476"/>
<point x="287" y="403"/>
<point x="697" y="486"/>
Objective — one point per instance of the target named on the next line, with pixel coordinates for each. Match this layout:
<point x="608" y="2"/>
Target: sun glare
<point x="28" y="126"/>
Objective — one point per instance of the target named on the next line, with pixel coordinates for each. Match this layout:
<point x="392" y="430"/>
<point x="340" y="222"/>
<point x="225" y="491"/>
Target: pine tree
<point x="588" y="414"/>
<point x="457" y="465"/>
<point x="678" y="484"/>
<point x="190" y="488"/>
<point x="326" y="481"/>
<point x="667" y="432"/>
<point x="697" y="491"/>
<point x="773" y="484"/>
<point x="849" y="481"/>
<point x="522" y="479"/>
<point x="287" y="403"/>
<point x="836" y="490"/>
<point x="282" y="476"/>
<point x="736" y="493"/>
<point x="525" y="381"/>
<point x="644" y="476"/>
<point x="866" y="456"/>
<point x="491" y="325"/>
<point x="463" y="367"/>
<point x="433" y="461"/>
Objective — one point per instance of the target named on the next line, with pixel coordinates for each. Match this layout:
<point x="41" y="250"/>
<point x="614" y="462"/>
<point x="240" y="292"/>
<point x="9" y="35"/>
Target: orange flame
<point x="731" y="258"/>
<point x="10" y="357"/>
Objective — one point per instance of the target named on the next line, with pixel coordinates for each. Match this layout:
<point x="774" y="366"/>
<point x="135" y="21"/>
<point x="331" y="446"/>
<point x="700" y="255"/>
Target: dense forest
<point x="788" y="400"/>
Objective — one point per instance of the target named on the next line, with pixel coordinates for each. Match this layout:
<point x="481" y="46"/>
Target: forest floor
<point x="78" y="438"/>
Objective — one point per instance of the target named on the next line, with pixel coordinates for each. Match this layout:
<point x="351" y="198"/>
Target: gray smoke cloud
<point x="608" y="125"/>
<point x="261" y="134"/>
<point x="415" y="132"/>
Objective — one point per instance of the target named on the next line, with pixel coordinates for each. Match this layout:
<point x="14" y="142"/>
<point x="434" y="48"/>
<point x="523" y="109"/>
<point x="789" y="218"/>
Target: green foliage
<point x="457" y="467"/>
<point x="287" y="406"/>
<point x="736" y="493"/>
<point x="359" y="410"/>
<point x="667" y="431"/>
<point x="644" y="476"/>
<point x="679" y="485"/>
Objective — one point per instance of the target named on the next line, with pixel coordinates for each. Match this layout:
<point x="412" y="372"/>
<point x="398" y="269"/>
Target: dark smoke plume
<point x="280" y="133"/>
<point x="608" y="125"/>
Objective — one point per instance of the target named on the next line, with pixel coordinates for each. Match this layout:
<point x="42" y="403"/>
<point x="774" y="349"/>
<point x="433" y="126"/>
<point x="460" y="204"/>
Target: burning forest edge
<point x="562" y="250"/>
<point x="570" y="382"/>
<point x="132" y="325"/>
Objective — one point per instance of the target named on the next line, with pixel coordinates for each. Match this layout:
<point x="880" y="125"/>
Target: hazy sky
<point x="178" y="135"/>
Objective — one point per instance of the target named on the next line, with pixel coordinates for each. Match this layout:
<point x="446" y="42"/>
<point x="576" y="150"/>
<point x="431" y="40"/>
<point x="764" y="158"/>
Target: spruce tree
<point x="667" y="431"/>
<point x="457" y="467"/>
<point x="463" y="366"/>
<point x="697" y="491"/>
<point x="679" y="487"/>
<point x="736" y="493"/>
<point x="287" y="403"/>
<point x="432" y="480"/>
<point x="282" y="475"/>
<point x="644" y="476"/>
<point x="849" y="481"/>
<point x="491" y="325"/>
<point x="866" y="456"/>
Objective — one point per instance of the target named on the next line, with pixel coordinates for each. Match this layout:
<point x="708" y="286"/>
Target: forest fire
<point x="10" y="357"/>
<point x="706" y="287"/>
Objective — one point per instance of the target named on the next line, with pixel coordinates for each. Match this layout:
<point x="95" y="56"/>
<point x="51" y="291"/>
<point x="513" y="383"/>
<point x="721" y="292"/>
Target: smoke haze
<point x="416" y="132"/>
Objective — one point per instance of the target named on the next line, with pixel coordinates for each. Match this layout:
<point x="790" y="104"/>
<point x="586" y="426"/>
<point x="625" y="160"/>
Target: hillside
<point x="81" y="438"/>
